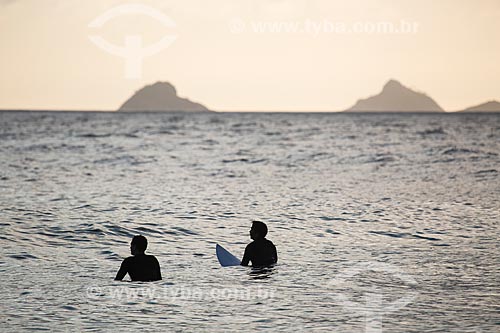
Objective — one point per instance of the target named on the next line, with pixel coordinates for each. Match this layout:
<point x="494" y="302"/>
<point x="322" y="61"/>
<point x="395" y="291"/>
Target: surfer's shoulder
<point x="152" y="257"/>
<point x="251" y="245"/>
<point x="269" y="242"/>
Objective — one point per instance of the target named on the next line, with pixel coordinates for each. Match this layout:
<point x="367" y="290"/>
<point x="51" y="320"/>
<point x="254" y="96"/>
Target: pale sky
<point x="224" y="58"/>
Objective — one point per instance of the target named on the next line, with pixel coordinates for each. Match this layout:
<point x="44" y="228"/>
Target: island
<point x="491" y="106"/>
<point x="160" y="96"/>
<point x="395" y="97"/>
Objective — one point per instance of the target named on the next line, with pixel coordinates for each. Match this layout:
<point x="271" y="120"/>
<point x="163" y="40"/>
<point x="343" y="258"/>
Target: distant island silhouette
<point x="491" y="106"/>
<point x="395" y="97"/>
<point x="160" y="96"/>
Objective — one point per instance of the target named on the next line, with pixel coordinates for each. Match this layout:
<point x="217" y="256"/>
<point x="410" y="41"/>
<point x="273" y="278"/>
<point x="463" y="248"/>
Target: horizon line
<point x="240" y="111"/>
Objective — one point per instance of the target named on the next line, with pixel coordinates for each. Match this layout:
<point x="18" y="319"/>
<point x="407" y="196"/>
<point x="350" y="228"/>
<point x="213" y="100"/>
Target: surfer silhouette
<point x="140" y="267"/>
<point x="261" y="252"/>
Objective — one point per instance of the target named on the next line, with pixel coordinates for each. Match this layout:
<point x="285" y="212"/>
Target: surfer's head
<point x="258" y="230"/>
<point x="138" y="245"/>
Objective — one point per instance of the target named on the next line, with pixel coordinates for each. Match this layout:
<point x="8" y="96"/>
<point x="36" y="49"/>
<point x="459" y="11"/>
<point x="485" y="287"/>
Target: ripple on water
<point x="391" y="234"/>
<point x="22" y="256"/>
<point x="69" y="308"/>
<point x="185" y="231"/>
<point x="330" y="231"/>
<point x="426" y="237"/>
<point x="117" y="230"/>
<point x="432" y="132"/>
<point x="148" y="230"/>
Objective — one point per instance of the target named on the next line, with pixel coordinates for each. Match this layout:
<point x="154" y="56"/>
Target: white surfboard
<point x="225" y="257"/>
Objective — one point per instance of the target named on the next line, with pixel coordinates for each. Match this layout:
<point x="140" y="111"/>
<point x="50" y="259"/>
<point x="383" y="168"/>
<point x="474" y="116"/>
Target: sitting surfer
<point x="261" y="252"/>
<point x="140" y="267"/>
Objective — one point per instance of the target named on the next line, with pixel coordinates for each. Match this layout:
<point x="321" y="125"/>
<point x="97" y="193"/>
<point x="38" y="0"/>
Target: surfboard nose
<point x="225" y="257"/>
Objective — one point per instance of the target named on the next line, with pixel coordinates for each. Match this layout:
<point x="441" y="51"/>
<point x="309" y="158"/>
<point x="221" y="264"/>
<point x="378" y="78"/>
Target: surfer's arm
<point x="158" y="271"/>
<point x="122" y="271"/>
<point x="245" y="261"/>
<point x="246" y="257"/>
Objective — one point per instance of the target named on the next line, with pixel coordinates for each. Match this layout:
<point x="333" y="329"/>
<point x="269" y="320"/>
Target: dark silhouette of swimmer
<point x="261" y="252"/>
<point x="140" y="267"/>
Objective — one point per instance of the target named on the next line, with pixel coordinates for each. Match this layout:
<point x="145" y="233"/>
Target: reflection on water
<point x="342" y="194"/>
<point x="259" y="273"/>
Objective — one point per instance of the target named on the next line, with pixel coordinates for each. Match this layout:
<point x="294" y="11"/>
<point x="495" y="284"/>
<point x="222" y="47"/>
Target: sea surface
<point x="383" y="222"/>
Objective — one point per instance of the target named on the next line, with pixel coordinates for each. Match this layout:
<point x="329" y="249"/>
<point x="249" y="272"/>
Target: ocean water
<point x="383" y="222"/>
